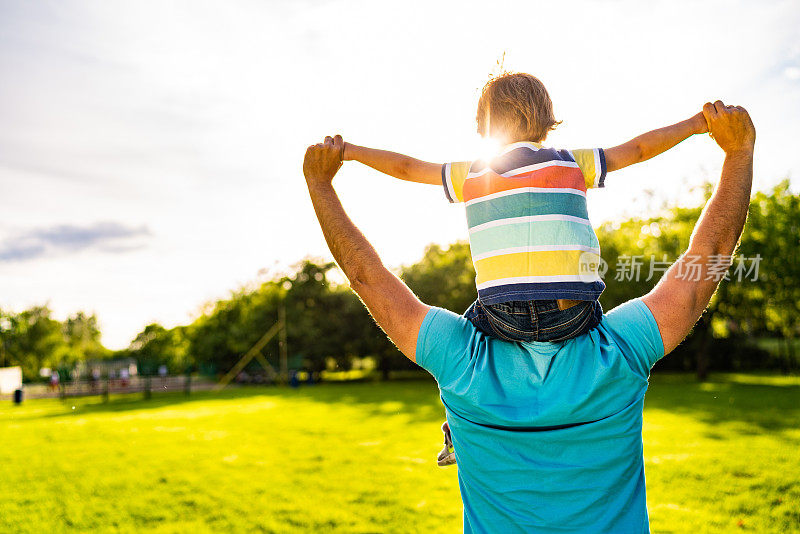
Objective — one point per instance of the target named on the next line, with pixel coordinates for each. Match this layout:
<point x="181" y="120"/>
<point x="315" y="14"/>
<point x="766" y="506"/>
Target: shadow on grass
<point x="761" y="407"/>
<point x="418" y="398"/>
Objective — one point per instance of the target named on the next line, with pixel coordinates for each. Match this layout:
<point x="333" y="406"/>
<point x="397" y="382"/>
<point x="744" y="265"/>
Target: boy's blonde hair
<point x="515" y="107"/>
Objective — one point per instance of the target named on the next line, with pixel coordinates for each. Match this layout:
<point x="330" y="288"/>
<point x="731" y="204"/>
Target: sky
<point x="151" y="152"/>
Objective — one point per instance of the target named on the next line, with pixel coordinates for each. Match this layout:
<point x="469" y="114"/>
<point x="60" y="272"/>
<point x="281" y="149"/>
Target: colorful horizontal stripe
<point x="543" y="279"/>
<point x="519" y="155"/>
<point x="527" y="204"/>
<point x="538" y="263"/>
<point x="538" y="248"/>
<point x="529" y="219"/>
<point x="516" y="191"/>
<point x="530" y="234"/>
<point x="550" y="177"/>
<point x="522" y="170"/>
<point x="519" y="234"/>
<point x="543" y="290"/>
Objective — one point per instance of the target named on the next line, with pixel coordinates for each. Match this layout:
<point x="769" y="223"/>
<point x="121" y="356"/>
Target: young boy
<point x="535" y="253"/>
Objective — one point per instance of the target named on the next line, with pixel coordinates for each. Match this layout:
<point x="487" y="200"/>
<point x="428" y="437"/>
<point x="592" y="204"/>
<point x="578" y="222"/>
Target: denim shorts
<point x="535" y="320"/>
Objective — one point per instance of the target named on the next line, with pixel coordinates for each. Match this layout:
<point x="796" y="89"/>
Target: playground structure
<point x="279" y="328"/>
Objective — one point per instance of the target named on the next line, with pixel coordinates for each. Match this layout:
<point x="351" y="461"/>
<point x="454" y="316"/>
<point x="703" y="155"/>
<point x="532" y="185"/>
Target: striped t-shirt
<point x="529" y="228"/>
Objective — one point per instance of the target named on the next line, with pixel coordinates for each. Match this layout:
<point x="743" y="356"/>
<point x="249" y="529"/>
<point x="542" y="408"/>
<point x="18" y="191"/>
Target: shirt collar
<point x="529" y="144"/>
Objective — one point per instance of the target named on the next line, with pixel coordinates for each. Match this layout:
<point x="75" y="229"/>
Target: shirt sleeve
<point x="453" y="177"/>
<point x="592" y="163"/>
<point x="444" y="345"/>
<point x="636" y="333"/>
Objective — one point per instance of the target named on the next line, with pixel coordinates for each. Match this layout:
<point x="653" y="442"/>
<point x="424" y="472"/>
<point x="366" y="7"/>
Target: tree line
<point x="753" y="321"/>
<point x="33" y="339"/>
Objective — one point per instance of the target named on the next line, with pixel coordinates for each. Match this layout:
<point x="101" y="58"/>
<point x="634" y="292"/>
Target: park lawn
<point x="358" y="457"/>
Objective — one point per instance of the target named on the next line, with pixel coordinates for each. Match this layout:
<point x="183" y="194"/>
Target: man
<point x="548" y="436"/>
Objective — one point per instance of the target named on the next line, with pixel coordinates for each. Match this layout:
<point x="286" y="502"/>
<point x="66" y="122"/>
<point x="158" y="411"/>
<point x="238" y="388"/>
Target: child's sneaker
<point x="448" y="454"/>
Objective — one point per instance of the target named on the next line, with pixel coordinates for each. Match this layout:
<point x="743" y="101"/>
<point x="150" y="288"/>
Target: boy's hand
<point x="338" y="143"/>
<point x="347" y="151"/>
<point x="700" y="123"/>
<point x="731" y="127"/>
<point x="323" y="160"/>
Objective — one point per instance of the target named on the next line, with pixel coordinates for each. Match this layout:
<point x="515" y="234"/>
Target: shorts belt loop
<point x="534" y="318"/>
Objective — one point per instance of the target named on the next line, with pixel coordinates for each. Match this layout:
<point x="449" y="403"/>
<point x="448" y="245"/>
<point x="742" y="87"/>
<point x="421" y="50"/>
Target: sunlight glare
<point x="489" y="148"/>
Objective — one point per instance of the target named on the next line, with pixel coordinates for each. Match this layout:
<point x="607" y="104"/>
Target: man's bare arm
<point x="392" y="304"/>
<point x="678" y="300"/>
<point x="653" y="143"/>
<point x="397" y="165"/>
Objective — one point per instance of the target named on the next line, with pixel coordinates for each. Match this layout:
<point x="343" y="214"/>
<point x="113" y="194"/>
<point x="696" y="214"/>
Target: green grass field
<point x="358" y="457"/>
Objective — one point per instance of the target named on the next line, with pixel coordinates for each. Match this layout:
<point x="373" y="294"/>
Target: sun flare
<point x="489" y="148"/>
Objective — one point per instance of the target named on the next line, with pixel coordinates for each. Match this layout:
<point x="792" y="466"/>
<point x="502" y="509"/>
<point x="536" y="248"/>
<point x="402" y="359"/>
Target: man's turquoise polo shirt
<point x="548" y="436"/>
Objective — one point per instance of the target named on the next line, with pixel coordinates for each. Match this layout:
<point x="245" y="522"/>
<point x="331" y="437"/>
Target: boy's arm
<point x="653" y="143"/>
<point x="394" y="164"/>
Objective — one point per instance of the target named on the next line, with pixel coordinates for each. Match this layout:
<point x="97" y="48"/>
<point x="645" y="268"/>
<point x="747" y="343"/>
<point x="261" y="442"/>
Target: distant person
<point x="548" y="435"/>
<point x="162" y="372"/>
<point x="95" y="378"/>
<point x="124" y="375"/>
<point x="54" y="380"/>
<point x="536" y="256"/>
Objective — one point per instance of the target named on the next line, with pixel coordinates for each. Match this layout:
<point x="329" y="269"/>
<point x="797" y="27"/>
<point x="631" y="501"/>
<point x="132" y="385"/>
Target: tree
<point x="744" y="306"/>
<point x="770" y="304"/>
<point x="82" y="336"/>
<point x="155" y="346"/>
<point x="32" y="340"/>
<point x="444" y="277"/>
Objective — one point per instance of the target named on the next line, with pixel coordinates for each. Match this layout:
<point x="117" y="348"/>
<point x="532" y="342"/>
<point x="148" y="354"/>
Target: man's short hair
<point x="516" y="107"/>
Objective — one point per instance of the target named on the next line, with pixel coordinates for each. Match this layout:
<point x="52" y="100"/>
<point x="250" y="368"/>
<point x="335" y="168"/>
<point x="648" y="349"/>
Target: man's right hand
<point x="731" y="127"/>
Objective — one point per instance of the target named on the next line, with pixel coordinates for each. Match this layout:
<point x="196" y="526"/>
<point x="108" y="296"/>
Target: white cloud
<point x="39" y="243"/>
